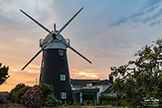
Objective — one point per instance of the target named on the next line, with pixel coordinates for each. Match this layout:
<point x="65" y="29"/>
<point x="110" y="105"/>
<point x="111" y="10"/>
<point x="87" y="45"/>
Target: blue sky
<point x="108" y="32"/>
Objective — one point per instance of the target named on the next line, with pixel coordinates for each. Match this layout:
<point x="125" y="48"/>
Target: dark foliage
<point x="50" y="101"/>
<point x="13" y="92"/>
<point x="47" y="89"/>
<point x="108" y="98"/>
<point x="3" y="73"/>
<point x="21" y="92"/>
<point x="140" y="78"/>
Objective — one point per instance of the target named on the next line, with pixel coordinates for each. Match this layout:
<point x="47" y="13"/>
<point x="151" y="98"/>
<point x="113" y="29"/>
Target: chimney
<point x="111" y="79"/>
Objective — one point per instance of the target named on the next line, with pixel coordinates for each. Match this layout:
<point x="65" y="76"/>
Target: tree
<point x="3" y="73"/>
<point x="141" y="77"/>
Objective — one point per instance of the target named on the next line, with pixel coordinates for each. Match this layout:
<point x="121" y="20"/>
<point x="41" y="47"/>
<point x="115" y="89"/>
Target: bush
<point x="79" y="104"/>
<point x="95" y="103"/>
<point x="14" y="90"/>
<point x="59" y="102"/>
<point x="20" y="93"/>
<point x="91" y="103"/>
<point x="86" y="103"/>
<point x="65" y="104"/>
<point x="47" y="89"/>
<point x="13" y="97"/>
<point x="69" y="103"/>
<point x="75" y="104"/>
<point x="50" y="101"/>
<point x="108" y="100"/>
<point x="33" y="98"/>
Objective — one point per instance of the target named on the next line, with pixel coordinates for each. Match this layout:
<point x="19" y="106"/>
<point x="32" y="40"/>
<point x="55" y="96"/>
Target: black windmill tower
<point x="54" y="66"/>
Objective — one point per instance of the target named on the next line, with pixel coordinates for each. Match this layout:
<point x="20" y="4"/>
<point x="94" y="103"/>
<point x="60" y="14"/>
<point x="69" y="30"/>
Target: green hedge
<point x="108" y="98"/>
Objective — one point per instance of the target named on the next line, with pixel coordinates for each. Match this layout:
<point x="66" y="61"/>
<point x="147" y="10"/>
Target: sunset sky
<point x="107" y="32"/>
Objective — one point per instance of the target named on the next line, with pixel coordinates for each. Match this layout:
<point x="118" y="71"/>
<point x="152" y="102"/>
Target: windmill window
<point x="62" y="77"/>
<point x="42" y="66"/>
<point x="60" y="52"/>
<point x="63" y="95"/>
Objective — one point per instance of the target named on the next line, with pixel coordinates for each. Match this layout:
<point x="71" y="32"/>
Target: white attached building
<point x="91" y="89"/>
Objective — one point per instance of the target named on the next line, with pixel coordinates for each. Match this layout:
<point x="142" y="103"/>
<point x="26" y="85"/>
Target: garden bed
<point x="15" y="105"/>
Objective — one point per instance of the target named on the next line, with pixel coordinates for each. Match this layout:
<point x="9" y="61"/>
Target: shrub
<point x="69" y="103"/>
<point x="108" y="98"/>
<point x="86" y="103"/>
<point x="13" y="97"/>
<point x="79" y="104"/>
<point x="75" y="104"/>
<point x="20" y="93"/>
<point x="112" y="100"/>
<point x="102" y="103"/>
<point x="47" y="89"/>
<point x="65" y="104"/>
<point x="14" y="90"/>
<point x="33" y="98"/>
<point x="90" y="103"/>
<point x="95" y="103"/>
<point x="50" y="101"/>
<point x="59" y="102"/>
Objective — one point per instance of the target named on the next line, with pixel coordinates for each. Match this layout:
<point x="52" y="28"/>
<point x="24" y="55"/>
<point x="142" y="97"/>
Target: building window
<point x="63" y="95"/>
<point x="62" y="77"/>
<point x="42" y="66"/>
<point x="60" y="52"/>
<point x="91" y="96"/>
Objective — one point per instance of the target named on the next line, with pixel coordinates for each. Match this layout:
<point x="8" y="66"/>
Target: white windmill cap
<point x="55" y="44"/>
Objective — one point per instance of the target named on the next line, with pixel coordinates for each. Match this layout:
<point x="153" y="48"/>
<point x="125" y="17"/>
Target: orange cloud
<point x="88" y="74"/>
<point x="84" y="74"/>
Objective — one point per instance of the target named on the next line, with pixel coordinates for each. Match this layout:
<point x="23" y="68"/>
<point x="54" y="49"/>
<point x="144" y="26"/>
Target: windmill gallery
<point x="54" y="66"/>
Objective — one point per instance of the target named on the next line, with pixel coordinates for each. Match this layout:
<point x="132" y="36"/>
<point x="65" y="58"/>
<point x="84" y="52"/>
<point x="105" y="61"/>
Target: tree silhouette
<point x="3" y="73"/>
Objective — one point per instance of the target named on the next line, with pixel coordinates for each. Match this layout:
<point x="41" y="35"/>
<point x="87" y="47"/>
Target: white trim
<point x="81" y="97"/>
<point x="56" y="45"/>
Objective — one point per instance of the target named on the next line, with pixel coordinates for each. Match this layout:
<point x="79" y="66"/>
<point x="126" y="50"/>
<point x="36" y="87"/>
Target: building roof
<point x="94" y="82"/>
<point x="87" y="90"/>
<point x="83" y="82"/>
<point x="108" y="90"/>
<point x="101" y="82"/>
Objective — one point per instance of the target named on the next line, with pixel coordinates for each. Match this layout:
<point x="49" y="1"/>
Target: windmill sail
<point x="55" y="35"/>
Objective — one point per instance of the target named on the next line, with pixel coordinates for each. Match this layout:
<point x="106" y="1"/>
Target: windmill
<point x="54" y="66"/>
